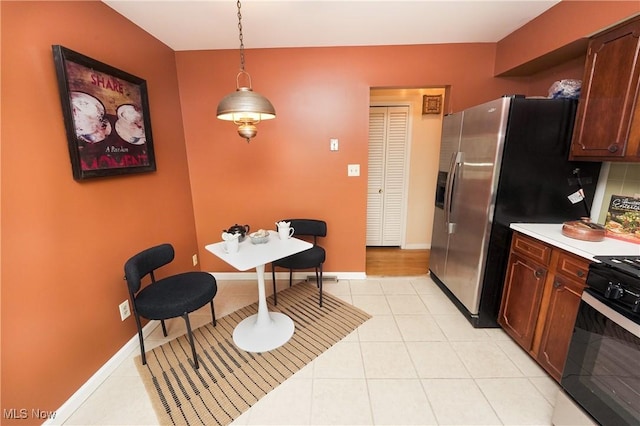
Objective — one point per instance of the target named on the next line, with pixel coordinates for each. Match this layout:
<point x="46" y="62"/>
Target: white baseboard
<point x="417" y="246"/>
<point x="65" y="411"/>
<point x="251" y="275"/>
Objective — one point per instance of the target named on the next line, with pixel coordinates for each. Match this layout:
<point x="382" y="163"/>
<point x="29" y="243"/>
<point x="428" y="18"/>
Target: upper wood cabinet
<point x="607" y="126"/>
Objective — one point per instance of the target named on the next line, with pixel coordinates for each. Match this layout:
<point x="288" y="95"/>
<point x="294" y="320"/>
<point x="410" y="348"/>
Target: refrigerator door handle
<point x="447" y="191"/>
<point x="456" y="160"/>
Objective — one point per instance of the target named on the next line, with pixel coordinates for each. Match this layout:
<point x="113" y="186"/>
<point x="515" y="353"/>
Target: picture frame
<point x="431" y="104"/>
<point x="106" y="117"/>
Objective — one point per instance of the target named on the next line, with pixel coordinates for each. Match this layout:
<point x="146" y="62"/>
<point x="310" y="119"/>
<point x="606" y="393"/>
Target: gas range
<point x="627" y="264"/>
<point x="617" y="279"/>
<point x="602" y="369"/>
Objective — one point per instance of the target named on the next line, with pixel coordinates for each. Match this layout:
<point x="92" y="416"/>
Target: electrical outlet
<point x="353" y="170"/>
<point x="124" y="310"/>
<point x="195" y="259"/>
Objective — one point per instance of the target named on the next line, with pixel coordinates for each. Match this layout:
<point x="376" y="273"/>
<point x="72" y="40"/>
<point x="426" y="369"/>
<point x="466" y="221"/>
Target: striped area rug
<point x="231" y="380"/>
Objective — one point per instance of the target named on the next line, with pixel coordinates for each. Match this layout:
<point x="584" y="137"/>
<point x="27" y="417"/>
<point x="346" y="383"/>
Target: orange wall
<point x="319" y="93"/>
<point x="64" y="242"/>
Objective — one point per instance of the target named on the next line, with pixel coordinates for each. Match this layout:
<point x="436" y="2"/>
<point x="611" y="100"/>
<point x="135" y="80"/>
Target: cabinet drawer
<point x="531" y="248"/>
<point x="572" y="267"/>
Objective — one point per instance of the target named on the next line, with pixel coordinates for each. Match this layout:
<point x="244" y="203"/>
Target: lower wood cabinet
<point x="559" y="320"/>
<point x="540" y="300"/>
<point x="521" y="299"/>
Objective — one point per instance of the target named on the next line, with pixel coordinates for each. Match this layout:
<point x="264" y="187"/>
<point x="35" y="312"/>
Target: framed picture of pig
<point x="106" y="117"/>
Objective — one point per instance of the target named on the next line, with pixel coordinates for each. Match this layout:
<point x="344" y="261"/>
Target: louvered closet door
<point x="385" y="195"/>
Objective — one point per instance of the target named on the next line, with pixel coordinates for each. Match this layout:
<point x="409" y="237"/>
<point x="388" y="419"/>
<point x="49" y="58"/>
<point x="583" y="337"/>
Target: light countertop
<point x="552" y="234"/>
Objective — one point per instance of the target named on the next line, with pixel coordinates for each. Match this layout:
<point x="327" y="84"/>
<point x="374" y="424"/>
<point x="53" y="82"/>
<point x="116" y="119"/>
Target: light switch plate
<point x="334" y="144"/>
<point x="353" y="170"/>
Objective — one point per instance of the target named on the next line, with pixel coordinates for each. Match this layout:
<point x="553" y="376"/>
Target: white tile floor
<point x="416" y="362"/>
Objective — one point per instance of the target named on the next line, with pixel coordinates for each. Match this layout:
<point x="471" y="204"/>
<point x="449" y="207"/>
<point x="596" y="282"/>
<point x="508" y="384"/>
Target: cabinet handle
<point x="580" y="273"/>
<point x="557" y="284"/>
<point x="612" y="148"/>
<point x="538" y="273"/>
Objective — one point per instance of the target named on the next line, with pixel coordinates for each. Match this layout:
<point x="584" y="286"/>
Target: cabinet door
<point x="521" y="299"/>
<point x="558" y="325"/>
<point x="608" y="98"/>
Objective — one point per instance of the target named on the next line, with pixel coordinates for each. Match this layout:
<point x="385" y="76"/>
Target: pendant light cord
<point x="244" y="107"/>
<point x="241" y="38"/>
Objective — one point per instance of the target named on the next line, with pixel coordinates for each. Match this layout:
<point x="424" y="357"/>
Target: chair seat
<point x="307" y="259"/>
<point x="176" y="295"/>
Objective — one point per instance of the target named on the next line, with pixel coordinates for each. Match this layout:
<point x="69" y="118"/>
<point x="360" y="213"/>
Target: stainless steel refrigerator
<point x="501" y="162"/>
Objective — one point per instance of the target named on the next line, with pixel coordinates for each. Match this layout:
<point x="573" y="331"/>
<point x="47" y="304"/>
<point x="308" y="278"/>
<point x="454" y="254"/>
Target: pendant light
<point x="245" y="107"/>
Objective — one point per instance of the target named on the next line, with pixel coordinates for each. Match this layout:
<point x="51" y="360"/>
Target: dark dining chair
<point x="169" y="297"/>
<point x="313" y="257"/>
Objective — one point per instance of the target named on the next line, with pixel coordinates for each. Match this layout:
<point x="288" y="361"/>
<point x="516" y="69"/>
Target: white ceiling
<point x="213" y="24"/>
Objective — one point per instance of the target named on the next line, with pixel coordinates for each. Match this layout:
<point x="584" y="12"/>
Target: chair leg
<point x="290" y="277"/>
<point x="164" y="328"/>
<point x="213" y="314"/>
<point x="142" y="354"/>
<point x="320" y="285"/>
<point x="273" y="278"/>
<point x="193" y="346"/>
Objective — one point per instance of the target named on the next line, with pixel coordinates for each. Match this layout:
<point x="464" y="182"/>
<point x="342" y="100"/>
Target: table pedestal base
<point x="253" y="337"/>
<point x="265" y="330"/>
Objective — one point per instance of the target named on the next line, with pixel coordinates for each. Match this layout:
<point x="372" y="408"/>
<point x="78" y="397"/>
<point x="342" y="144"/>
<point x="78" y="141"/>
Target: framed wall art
<point x="431" y="104"/>
<point x="106" y="117"/>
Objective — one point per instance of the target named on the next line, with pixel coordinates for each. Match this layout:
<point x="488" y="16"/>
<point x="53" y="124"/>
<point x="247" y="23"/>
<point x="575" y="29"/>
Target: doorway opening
<point x="417" y="174"/>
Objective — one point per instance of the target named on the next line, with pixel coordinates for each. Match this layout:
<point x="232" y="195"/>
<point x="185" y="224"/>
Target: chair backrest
<point x="145" y="262"/>
<point x="309" y="227"/>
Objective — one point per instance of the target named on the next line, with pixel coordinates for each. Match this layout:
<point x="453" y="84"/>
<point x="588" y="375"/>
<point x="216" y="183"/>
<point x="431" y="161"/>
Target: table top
<point x="251" y="255"/>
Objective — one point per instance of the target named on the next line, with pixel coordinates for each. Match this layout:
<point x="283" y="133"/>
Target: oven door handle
<point x="611" y="314"/>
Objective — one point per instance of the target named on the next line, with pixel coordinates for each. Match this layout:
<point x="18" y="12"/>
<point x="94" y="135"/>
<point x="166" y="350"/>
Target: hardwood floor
<point x="394" y="261"/>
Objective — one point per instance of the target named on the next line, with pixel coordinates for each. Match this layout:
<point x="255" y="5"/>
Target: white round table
<point x="265" y="330"/>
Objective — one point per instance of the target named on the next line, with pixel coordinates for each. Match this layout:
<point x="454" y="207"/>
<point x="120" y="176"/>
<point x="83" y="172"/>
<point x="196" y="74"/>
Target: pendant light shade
<point x="245" y="107"/>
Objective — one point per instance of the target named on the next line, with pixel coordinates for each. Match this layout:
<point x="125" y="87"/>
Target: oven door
<point x="602" y="371"/>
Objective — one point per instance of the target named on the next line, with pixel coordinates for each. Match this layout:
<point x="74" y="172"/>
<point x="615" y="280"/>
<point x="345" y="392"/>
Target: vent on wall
<point x="312" y="278"/>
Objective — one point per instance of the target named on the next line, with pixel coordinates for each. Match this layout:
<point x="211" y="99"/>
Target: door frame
<point x="406" y="165"/>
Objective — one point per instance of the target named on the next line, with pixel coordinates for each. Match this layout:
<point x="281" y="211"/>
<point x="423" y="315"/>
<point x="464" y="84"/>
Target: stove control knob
<point x="636" y="306"/>
<point x="614" y="291"/>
